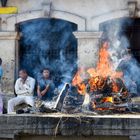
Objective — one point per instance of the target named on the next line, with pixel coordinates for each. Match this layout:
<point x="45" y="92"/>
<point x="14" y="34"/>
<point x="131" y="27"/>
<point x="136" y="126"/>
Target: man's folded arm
<point x="28" y="88"/>
<point x="18" y="90"/>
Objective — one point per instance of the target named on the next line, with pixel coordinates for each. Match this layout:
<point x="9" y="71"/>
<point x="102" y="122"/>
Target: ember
<point x="103" y="84"/>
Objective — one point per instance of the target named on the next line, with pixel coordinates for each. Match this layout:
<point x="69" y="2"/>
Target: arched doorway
<point x="48" y="43"/>
<point x="126" y="27"/>
<point x="123" y="35"/>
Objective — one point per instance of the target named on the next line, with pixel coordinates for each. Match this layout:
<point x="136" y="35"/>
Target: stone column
<point x="7" y="53"/>
<point x="88" y="48"/>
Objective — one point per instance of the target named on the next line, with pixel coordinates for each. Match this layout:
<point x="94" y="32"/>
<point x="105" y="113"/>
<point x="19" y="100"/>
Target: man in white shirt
<point x="24" y="88"/>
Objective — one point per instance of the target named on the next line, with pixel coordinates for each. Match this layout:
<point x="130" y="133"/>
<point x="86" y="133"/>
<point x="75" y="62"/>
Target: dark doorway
<point x="127" y="32"/>
<point x="48" y="43"/>
<point x="133" y="34"/>
<point x="130" y="28"/>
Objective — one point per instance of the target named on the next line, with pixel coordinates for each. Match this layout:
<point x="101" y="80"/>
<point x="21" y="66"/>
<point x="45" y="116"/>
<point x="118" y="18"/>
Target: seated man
<point x="24" y="89"/>
<point x="45" y="87"/>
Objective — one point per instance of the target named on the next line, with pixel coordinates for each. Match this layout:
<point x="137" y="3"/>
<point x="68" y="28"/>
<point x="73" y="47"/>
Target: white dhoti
<point x="19" y="100"/>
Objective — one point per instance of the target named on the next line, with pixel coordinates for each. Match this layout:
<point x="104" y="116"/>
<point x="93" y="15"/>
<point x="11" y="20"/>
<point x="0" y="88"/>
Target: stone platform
<point x="56" y="124"/>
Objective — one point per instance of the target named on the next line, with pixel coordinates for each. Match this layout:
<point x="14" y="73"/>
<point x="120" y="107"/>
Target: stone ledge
<point x="8" y="35"/>
<point x="86" y="35"/>
<point x="69" y="125"/>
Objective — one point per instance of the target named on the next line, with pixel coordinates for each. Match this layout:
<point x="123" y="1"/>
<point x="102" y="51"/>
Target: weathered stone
<point x="65" y="125"/>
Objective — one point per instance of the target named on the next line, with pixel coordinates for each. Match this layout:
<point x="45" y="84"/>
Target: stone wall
<point x="35" y="137"/>
<point x="22" y="127"/>
<point x="7" y="53"/>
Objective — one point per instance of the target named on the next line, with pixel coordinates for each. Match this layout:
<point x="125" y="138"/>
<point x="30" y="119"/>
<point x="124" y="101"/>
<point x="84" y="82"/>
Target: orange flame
<point x="105" y="99"/>
<point x="81" y="88"/>
<point x="104" y="67"/>
<point x="78" y="78"/>
<point x="97" y="75"/>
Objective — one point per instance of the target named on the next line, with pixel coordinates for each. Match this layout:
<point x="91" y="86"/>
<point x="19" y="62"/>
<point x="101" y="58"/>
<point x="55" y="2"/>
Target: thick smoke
<point x="122" y="59"/>
<point x="49" y="43"/>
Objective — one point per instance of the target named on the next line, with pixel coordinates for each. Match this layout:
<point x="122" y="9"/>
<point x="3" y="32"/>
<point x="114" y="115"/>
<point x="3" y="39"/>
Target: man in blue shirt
<point x="45" y="87"/>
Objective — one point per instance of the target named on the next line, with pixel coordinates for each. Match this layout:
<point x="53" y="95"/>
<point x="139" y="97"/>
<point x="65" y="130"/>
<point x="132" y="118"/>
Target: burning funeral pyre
<point x="104" y="84"/>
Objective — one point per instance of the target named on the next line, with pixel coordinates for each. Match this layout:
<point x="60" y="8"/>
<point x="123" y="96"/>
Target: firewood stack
<point x="112" y="95"/>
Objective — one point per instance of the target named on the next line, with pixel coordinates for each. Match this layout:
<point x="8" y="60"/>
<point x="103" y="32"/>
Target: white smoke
<point x="45" y="43"/>
<point x="120" y="56"/>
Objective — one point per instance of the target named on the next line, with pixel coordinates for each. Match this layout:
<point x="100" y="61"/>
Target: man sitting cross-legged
<point x="24" y="88"/>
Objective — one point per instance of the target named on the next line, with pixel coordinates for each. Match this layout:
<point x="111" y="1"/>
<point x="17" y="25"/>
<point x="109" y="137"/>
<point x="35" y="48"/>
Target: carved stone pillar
<point x="88" y="48"/>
